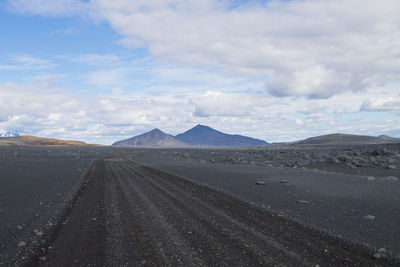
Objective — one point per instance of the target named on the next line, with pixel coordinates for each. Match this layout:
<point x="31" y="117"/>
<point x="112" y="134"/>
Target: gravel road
<point x="128" y="214"/>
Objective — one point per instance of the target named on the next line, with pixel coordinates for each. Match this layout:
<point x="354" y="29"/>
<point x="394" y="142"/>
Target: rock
<point x="22" y="244"/>
<point x="19" y="227"/>
<point x="371" y="178"/>
<point x="350" y="165"/>
<point x="382" y="250"/>
<point x="37" y="232"/>
<point x="392" y="178"/>
<point x="369" y="217"/>
<point x="303" y="201"/>
<point x="261" y="183"/>
<point x="380" y="253"/>
<point x="42" y="259"/>
<point x="283" y="181"/>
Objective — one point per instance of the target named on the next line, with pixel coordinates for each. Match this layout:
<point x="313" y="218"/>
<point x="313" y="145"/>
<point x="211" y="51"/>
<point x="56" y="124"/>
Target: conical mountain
<point x="154" y="138"/>
<point x="202" y="135"/>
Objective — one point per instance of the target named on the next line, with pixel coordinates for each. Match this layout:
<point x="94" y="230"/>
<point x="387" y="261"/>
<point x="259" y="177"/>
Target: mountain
<point x="38" y="141"/>
<point x="154" y="138"/>
<point x="8" y="134"/>
<point x="346" y="139"/>
<point x="201" y="135"/>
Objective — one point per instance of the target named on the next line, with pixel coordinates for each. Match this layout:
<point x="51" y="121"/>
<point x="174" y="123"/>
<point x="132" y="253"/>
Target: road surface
<point x="128" y="214"/>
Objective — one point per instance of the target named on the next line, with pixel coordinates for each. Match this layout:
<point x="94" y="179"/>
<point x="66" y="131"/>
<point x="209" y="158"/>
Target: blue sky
<point x="100" y="71"/>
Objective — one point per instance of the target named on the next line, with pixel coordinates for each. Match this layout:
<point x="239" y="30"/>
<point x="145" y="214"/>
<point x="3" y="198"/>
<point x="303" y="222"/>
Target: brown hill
<point x="154" y="138"/>
<point x="346" y="139"/>
<point x="38" y="141"/>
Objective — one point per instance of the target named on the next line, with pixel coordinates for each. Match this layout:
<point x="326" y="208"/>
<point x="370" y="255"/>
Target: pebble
<point x="369" y="217"/>
<point x="261" y="183"/>
<point x="303" y="201"/>
<point x="37" y="232"/>
<point x="19" y="227"/>
<point x="283" y="182"/>
<point x="22" y="244"/>
<point x="371" y="178"/>
<point x="380" y="253"/>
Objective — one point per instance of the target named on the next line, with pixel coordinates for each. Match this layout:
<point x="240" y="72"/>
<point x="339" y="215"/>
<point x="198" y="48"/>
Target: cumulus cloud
<point x="309" y="48"/>
<point x="381" y="104"/>
<point x="312" y="48"/>
<point x="214" y="103"/>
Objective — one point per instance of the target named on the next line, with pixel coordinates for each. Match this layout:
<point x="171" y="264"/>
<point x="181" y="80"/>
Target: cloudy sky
<point x="102" y="70"/>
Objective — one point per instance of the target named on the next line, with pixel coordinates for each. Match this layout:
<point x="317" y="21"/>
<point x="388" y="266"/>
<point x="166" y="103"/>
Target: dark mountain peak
<point x="155" y="131"/>
<point x="202" y="135"/>
<point x="202" y="128"/>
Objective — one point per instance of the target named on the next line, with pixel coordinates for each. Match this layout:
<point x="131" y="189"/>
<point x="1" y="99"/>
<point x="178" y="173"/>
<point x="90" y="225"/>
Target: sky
<point x="101" y="71"/>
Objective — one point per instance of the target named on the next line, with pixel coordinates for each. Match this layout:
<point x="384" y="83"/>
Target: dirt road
<point x="129" y="215"/>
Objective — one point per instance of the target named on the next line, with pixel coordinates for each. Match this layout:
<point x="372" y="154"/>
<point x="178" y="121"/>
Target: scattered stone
<point x="369" y="217"/>
<point x="261" y="183"/>
<point x="371" y="178"/>
<point x="19" y="227"/>
<point x="42" y="259"/>
<point x="38" y="232"/>
<point x="94" y="219"/>
<point x="22" y="244"/>
<point x="392" y="178"/>
<point x="303" y="201"/>
<point x="380" y="253"/>
<point x="283" y="181"/>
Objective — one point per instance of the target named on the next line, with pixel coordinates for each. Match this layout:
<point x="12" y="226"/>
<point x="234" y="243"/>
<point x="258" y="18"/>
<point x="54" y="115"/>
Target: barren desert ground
<point x="289" y="206"/>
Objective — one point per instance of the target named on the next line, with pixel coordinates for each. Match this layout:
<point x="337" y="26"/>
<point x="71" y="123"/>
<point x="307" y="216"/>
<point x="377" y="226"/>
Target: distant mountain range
<point x="347" y="139"/>
<point x="199" y="135"/>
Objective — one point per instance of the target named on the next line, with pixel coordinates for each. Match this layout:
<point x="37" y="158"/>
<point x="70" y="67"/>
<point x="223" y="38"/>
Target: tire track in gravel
<point x="132" y="215"/>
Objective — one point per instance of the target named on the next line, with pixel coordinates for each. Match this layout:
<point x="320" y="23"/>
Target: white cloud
<point x="312" y="48"/>
<point x="214" y="103"/>
<point x="381" y="104"/>
<point x="107" y="77"/>
<point x="26" y="62"/>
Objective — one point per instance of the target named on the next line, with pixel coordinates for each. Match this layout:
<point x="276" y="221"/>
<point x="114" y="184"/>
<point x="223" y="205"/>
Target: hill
<point x="346" y="139"/>
<point x="201" y="135"/>
<point x="154" y="138"/>
<point x="38" y="141"/>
